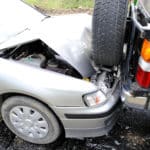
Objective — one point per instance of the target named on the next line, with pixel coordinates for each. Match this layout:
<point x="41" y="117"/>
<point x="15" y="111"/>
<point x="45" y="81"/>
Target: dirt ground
<point x="65" y="11"/>
<point x="132" y="132"/>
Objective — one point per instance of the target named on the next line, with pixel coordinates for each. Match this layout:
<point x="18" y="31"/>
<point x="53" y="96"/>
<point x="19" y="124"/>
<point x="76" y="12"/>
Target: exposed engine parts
<point x="36" y="60"/>
<point x="38" y="55"/>
<point x="106" y="81"/>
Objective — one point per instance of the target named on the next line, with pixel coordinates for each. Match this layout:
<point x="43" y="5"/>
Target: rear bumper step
<point x="135" y="101"/>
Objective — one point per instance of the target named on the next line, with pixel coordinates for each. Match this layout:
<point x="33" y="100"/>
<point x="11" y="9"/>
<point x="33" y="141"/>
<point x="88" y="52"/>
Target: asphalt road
<point x="131" y="132"/>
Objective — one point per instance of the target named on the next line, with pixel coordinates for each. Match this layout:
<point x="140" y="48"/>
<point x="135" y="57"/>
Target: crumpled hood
<point x="69" y="35"/>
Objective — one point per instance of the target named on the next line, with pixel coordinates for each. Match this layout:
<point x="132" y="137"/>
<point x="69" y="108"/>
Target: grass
<point x="61" y="4"/>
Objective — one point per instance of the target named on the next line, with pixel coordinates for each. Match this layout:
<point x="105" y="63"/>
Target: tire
<point x="30" y="120"/>
<point x="109" y="21"/>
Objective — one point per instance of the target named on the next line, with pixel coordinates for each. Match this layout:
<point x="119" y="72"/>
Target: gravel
<point x="131" y="132"/>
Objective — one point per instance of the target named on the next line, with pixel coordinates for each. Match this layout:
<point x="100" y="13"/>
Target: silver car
<point x="49" y="84"/>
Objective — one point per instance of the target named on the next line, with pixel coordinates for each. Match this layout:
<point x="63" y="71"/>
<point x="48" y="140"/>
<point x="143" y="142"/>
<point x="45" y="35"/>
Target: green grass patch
<point x="61" y="4"/>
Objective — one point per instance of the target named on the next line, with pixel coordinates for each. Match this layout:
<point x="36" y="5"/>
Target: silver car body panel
<point x="63" y="94"/>
<point x="69" y="36"/>
<point x="15" y="17"/>
<point x="42" y="84"/>
<point x="90" y="121"/>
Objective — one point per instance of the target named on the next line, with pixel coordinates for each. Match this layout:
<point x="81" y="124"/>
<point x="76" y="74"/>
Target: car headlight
<point x="94" y="99"/>
<point x="144" y="5"/>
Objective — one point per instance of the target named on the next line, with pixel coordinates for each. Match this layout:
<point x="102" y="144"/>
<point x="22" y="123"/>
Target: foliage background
<point x="61" y="4"/>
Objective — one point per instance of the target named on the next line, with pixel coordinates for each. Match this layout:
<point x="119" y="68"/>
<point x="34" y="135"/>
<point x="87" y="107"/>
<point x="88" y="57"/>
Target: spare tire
<point x="109" y="21"/>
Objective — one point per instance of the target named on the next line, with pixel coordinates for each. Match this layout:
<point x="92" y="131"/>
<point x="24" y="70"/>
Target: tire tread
<point x="109" y="19"/>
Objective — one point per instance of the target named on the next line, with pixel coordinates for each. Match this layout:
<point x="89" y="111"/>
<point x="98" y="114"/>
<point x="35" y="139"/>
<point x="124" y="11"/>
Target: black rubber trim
<point x="93" y="116"/>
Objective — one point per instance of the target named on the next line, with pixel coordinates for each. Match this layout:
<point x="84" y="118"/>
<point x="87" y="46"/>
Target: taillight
<point x="145" y="53"/>
<point x="143" y="77"/>
<point x="143" y="71"/>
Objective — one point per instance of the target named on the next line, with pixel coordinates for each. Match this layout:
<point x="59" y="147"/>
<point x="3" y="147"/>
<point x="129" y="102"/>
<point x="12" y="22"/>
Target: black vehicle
<point x="121" y="38"/>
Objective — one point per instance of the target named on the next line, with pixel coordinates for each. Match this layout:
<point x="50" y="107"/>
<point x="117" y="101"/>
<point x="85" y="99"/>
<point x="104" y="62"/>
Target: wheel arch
<point x="6" y="95"/>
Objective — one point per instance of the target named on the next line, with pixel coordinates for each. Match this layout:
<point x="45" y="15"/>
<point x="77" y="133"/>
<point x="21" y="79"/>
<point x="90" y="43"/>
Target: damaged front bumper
<point x="96" y="121"/>
<point x="64" y="96"/>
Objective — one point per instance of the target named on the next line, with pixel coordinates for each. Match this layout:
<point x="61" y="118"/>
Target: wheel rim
<point x="29" y="122"/>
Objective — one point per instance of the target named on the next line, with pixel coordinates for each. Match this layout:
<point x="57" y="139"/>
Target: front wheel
<point x="30" y="120"/>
